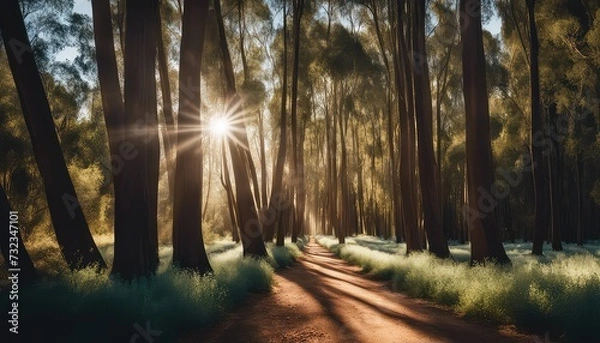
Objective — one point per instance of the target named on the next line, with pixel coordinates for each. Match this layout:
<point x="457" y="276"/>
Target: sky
<point x="85" y="7"/>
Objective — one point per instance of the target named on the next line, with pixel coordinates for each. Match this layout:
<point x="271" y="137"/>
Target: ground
<point x="323" y="299"/>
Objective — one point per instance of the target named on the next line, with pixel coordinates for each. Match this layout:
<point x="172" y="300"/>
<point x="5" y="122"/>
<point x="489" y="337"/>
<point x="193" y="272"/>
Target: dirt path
<point x="323" y="299"/>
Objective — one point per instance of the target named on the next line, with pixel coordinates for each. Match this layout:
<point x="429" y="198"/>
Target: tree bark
<point x="250" y="225"/>
<point x="136" y="242"/>
<point x="273" y="212"/>
<point x="188" y="243"/>
<point x="74" y="238"/>
<point x="168" y="134"/>
<point x="539" y="167"/>
<point x="428" y="172"/>
<point x="231" y="202"/>
<point x="296" y="187"/>
<point x="404" y="97"/>
<point x="485" y="237"/>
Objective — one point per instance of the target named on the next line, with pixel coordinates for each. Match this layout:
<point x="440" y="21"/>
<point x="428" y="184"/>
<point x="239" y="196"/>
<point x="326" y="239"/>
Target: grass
<point x="558" y="294"/>
<point x="86" y="306"/>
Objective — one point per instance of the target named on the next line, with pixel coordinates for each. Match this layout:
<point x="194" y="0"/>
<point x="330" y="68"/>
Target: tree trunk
<point x="296" y="187"/>
<point x="263" y="161"/>
<point x="540" y="169"/>
<point x="168" y="134"/>
<point x="485" y="238"/>
<point x="276" y="197"/>
<point x="136" y="242"/>
<point x="74" y="238"/>
<point x="188" y="243"/>
<point x="231" y="202"/>
<point x="407" y="142"/>
<point x="250" y="226"/>
<point x="428" y="172"/>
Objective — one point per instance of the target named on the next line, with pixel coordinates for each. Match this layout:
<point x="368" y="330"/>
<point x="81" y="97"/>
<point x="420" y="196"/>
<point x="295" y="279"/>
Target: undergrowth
<point x="87" y="306"/>
<point x="558" y="294"/>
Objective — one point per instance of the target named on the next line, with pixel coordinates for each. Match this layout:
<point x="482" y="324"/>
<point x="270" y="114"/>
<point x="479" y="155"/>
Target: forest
<point x="300" y="171"/>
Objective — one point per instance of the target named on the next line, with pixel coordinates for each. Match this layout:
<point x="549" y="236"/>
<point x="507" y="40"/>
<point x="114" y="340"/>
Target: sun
<point x="219" y="126"/>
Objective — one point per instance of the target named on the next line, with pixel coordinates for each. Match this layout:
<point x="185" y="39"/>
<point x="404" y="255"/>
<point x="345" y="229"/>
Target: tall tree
<point x="250" y="226"/>
<point x="540" y="168"/>
<point x="168" y="134"/>
<point x="188" y="243"/>
<point x="297" y="185"/>
<point x="484" y="234"/>
<point x="428" y="173"/>
<point x="136" y="242"/>
<point x="74" y="238"/>
<point x="276" y="189"/>
<point x="404" y="96"/>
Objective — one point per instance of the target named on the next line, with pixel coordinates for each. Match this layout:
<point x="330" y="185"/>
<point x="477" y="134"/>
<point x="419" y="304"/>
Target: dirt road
<point x="323" y="299"/>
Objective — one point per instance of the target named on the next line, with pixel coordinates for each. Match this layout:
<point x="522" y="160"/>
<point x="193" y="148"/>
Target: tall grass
<point x="87" y="306"/>
<point x="558" y="294"/>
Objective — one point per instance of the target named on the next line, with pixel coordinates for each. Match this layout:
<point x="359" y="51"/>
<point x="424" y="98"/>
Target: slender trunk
<point x="485" y="237"/>
<point x="276" y="197"/>
<point x="242" y="35"/>
<point x="580" y="197"/>
<point x="428" y="173"/>
<point x="74" y="238"/>
<point x="168" y="134"/>
<point x="298" y="8"/>
<point x="250" y="226"/>
<point x="231" y="202"/>
<point x="539" y="168"/>
<point x="263" y="161"/>
<point x="360" y="183"/>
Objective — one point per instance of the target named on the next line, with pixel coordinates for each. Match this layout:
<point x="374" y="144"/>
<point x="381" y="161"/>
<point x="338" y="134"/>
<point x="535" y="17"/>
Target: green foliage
<point x="558" y="294"/>
<point x="284" y="256"/>
<point x="174" y="301"/>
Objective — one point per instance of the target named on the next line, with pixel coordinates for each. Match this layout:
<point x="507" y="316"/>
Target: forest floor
<point x="323" y="299"/>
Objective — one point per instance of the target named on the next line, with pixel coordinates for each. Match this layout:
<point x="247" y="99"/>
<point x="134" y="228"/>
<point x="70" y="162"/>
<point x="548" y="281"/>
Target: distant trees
<point x="348" y="91"/>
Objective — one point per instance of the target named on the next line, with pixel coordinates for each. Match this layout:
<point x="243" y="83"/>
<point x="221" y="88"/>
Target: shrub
<point x="557" y="294"/>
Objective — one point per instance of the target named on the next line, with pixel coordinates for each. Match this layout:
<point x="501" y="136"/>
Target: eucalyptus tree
<point x="428" y="171"/>
<point x="484" y="235"/>
<point x="188" y="243"/>
<point x="297" y="174"/>
<point x="540" y="171"/>
<point x="247" y="213"/>
<point x="404" y="97"/>
<point x="276" y="189"/>
<point x="72" y="232"/>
